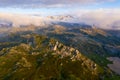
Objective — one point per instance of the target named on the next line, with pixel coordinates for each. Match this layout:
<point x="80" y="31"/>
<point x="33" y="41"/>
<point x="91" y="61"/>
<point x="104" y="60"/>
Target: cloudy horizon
<point x="103" y="13"/>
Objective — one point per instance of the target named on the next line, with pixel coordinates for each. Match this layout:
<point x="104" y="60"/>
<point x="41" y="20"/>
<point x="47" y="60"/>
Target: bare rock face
<point x="66" y="51"/>
<point x="55" y="47"/>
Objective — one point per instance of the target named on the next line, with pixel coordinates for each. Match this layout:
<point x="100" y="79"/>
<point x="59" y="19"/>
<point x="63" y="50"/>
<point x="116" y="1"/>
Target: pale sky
<point x="55" y="6"/>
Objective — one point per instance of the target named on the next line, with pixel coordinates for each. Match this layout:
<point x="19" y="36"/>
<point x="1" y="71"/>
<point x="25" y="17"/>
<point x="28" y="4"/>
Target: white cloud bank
<point x="102" y="18"/>
<point x="20" y="19"/>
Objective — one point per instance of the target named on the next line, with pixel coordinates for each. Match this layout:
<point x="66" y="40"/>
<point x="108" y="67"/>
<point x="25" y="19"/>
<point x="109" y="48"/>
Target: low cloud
<point x="102" y="18"/>
<point x="20" y="19"/>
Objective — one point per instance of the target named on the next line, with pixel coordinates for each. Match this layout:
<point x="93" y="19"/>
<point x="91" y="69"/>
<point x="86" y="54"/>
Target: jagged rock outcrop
<point x="46" y="58"/>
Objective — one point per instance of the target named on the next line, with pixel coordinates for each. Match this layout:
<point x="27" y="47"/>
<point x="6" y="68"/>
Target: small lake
<point x="116" y="64"/>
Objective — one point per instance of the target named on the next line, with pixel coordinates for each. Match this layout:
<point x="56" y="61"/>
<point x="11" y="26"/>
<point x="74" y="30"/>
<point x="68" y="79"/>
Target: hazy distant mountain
<point x="38" y="20"/>
<point x="66" y="18"/>
<point x="72" y="25"/>
<point x="5" y="24"/>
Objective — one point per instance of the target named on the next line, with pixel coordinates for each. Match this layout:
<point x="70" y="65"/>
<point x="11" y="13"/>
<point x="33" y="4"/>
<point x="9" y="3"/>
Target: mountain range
<point x="58" y="50"/>
<point x="16" y="20"/>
